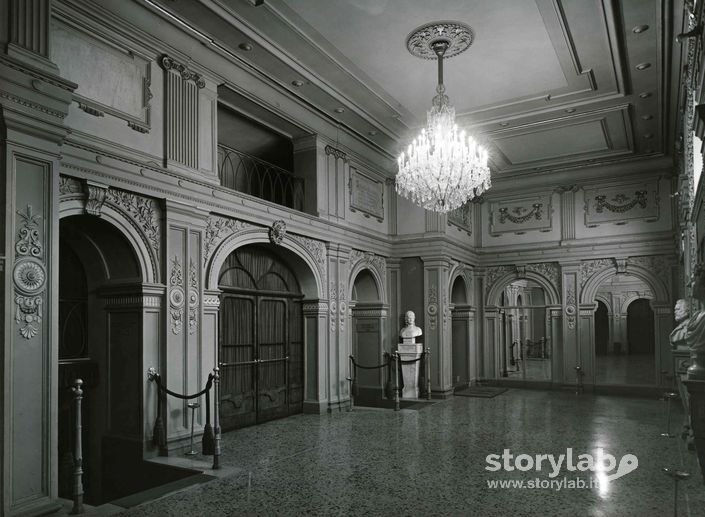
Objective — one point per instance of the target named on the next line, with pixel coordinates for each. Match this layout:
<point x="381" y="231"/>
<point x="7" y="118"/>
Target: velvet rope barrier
<point x="159" y="431"/>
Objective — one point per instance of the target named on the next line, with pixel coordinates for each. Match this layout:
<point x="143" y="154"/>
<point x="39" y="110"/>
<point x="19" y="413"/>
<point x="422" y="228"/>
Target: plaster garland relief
<point x="29" y="274"/>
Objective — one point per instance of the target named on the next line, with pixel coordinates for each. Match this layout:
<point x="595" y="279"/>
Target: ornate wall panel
<point x="93" y="61"/>
<point x="622" y="204"/>
<point x="521" y="215"/>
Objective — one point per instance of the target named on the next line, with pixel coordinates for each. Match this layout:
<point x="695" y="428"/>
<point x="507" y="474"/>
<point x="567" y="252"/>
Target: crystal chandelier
<point x="442" y="168"/>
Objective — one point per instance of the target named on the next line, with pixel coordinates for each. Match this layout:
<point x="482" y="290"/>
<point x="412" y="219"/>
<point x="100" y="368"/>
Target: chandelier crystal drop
<point x="443" y="168"/>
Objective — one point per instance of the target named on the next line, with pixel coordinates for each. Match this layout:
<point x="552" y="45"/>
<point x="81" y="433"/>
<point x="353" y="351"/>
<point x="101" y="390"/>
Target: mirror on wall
<point x="525" y="348"/>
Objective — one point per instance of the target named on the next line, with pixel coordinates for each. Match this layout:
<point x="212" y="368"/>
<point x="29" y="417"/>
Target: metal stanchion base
<point x="190" y="453"/>
<point x="667" y="435"/>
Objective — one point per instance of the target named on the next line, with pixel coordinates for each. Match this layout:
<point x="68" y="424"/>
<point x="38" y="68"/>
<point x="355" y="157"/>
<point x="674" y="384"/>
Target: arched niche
<point x="552" y="296"/>
<point x="464" y="358"/>
<point x="368" y="330"/>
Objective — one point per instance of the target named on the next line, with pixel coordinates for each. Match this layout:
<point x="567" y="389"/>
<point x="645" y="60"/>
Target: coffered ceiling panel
<point x="548" y="83"/>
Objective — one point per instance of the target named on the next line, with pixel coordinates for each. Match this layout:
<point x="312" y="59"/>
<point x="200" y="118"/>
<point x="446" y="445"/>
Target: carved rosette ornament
<point x="432" y="307"/>
<point x="570" y="300"/>
<point x="193" y="298"/>
<point x="176" y="295"/>
<point x="277" y="232"/>
<point x="29" y="275"/>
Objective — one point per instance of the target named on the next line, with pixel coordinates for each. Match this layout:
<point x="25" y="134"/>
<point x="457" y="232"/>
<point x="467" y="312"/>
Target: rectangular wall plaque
<point x="366" y="195"/>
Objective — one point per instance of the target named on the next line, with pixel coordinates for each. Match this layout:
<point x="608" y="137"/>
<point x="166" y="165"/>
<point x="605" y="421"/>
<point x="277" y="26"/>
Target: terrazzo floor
<point x="431" y="461"/>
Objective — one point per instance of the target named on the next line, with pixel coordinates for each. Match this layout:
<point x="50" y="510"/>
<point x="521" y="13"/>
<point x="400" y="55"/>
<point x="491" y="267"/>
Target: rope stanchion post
<point x="351" y="380"/>
<point x="158" y="432"/>
<point x="216" y="418"/>
<point x="676" y="475"/>
<point x="427" y="372"/>
<point x="78" y="451"/>
<point x="396" y="380"/>
<point x="207" y="440"/>
<point x="668" y="396"/>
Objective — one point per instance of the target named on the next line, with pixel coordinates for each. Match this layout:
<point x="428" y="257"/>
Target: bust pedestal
<point x="409" y="350"/>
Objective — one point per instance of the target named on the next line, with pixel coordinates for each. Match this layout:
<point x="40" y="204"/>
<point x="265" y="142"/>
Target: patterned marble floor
<point x="432" y="461"/>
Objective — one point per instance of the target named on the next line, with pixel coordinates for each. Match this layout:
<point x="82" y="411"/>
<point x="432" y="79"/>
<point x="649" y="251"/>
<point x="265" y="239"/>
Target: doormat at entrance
<point x="486" y="392"/>
<point x="160" y="491"/>
<point x="414" y="404"/>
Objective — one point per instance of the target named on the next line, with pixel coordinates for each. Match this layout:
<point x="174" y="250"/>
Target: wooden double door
<point x="261" y="344"/>
<point x="261" y="359"/>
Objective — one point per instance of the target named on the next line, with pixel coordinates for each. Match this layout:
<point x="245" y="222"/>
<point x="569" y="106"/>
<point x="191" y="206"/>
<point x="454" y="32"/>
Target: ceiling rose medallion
<point x="443" y="168"/>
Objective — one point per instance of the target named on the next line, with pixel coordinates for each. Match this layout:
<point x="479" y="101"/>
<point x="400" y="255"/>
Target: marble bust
<point x="695" y="328"/>
<point x="410" y="331"/>
<point x="679" y="333"/>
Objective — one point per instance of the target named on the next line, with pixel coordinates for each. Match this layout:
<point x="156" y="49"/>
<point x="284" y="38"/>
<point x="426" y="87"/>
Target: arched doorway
<point x="602" y="328"/>
<point x="102" y="345"/>
<point x="524" y="345"/>
<point x="261" y="337"/>
<point x="368" y="316"/>
<point x="625" y="352"/>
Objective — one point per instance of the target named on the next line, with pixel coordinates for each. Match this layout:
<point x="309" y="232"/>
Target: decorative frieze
<point x="549" y="270"/>
<point x="493" y="273"/>
<point x="659" y="265"/>
<point x="69" y="185"/>
<point x="590" y="267"/>
<point x="176" y="295"/>
<point x="371" y="261"/>
<point x="521" y="215"/>
<point x="29" y="274"/>
<point x="620" y="204"/>
<point x="218" y="229"/>
<point x="316" y="248"/>
<point x="142" y="210"/>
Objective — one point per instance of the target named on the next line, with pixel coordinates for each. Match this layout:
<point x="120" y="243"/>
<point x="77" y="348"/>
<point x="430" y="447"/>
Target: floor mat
<point x="414" y="404"/>
<point x="160" y="491"/>
<point x="486" y="392"/>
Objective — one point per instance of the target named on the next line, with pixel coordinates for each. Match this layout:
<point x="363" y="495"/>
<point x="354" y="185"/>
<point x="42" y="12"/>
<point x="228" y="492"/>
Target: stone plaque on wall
<point x="366" y="195"/>
<point x="621" y="204"/>
<point x="90" y="61"/>
<point x="521" y="215"/>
